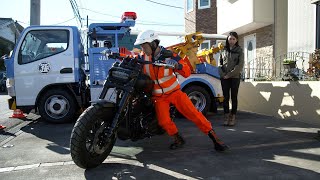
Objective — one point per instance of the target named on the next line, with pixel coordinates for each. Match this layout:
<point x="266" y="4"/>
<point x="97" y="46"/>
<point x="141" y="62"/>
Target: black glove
<point x="127" y="58"/>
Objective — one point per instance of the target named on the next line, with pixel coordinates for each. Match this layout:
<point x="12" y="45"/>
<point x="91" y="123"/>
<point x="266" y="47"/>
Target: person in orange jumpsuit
<point x="167" y="90"/>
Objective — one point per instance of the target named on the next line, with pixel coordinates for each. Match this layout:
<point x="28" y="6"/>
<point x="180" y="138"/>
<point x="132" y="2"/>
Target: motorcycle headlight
<point x="120" y="75"/>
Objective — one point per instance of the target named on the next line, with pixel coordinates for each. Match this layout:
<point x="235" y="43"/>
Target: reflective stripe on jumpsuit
<point x="167" y="91"/>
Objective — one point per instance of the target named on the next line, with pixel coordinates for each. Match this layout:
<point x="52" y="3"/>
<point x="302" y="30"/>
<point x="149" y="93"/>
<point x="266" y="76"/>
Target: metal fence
<point x="269" y="68"/>
<point x="258" y="69"/>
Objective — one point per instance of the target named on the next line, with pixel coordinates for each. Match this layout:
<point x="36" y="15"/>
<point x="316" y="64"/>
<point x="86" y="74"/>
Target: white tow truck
<point x="49" y="71"/>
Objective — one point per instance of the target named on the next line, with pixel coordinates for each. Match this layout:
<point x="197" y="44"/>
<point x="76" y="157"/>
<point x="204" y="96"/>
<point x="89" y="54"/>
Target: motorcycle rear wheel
<point x="88" y="145"/>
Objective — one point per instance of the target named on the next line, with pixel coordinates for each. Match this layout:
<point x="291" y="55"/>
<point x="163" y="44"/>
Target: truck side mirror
<point x="107" y="53"/>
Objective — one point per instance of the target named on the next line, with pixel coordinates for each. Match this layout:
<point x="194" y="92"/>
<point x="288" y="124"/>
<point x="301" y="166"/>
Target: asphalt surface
<point x="13" y="125"/>
<point x="261" y="147"/>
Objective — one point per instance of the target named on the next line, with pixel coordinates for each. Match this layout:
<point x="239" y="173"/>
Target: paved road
<point x="261" y="148"/>
<point x="4" y="111"/>
<point x="13" y="125"/>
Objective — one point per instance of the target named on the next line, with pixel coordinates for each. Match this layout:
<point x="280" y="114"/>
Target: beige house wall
<point x="281" y="27"/>
<point x="286" y="100"/>
<point x="264" y="41"/>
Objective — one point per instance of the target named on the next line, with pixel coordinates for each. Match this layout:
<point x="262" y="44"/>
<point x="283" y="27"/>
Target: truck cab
<point x="49" y="71"/>
<point x="45" y="71"/>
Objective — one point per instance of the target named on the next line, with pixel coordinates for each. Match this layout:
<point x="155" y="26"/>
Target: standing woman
<point x="231" y="65"/>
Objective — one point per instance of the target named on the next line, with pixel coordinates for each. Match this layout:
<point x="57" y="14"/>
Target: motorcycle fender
<point x="104" y="103"/>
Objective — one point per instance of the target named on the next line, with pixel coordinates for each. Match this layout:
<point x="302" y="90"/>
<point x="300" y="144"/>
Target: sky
<point x="150" y="14"/>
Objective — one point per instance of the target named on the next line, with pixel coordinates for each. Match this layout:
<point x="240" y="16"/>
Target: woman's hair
<point x="234" y="34"/>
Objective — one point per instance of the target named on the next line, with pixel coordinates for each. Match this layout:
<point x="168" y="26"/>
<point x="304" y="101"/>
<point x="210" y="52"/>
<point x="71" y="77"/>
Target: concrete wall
<point x="287" y="100"/>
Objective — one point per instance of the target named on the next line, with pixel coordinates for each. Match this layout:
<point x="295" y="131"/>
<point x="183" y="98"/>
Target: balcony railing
<point x="286" y="67"/>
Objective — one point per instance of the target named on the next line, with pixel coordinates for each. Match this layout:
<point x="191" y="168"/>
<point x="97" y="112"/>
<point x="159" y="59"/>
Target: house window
<point x="203" y="4"/>
<point x="205" y="45"/>
<point x="189" y="5"/>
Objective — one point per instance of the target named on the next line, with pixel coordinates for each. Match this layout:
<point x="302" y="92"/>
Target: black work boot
<point x="178" y="142"/>
<point x="218" y="144"/>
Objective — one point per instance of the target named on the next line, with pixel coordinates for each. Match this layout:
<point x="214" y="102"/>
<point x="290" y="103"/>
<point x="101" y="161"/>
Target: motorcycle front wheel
<point x="90" y="145"/>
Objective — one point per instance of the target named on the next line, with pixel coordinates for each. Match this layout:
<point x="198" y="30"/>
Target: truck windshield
<point x="39" y="44"/>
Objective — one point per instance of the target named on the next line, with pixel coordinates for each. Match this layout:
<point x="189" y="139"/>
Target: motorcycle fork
<point x="116" y="119"/>
<point x="121" y="106"/>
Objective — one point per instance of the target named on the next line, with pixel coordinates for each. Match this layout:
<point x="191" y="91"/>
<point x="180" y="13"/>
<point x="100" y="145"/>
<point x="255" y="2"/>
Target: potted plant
<point x="289" y="63"/>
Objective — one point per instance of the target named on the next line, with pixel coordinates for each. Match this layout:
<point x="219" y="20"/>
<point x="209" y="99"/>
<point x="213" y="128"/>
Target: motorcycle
<point x="131" y="116"/>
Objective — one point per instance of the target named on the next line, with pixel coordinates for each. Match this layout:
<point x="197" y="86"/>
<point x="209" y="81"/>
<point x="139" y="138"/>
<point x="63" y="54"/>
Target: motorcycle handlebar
<point x="157" y="63"/>
<point x="167" y="66"/>
<point x="137" y="60"/>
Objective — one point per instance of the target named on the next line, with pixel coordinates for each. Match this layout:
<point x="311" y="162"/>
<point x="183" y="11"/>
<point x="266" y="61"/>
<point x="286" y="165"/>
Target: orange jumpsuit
<point x="167" y="91"/>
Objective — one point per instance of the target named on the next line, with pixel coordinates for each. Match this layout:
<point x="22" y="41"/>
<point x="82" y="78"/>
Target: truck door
<point x="45" y="56"/>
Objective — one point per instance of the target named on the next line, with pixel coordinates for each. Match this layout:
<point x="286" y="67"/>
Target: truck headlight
<point x="10" y="82"/>
<point x="10" y="87"/>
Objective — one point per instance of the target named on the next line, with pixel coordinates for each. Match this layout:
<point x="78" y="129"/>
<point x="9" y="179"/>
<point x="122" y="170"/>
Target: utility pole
<point x="317" y="3"/>
<point x="34" y="12"/>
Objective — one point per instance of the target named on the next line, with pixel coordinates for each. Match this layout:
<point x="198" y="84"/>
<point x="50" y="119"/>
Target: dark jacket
<point x="232" y="62"/>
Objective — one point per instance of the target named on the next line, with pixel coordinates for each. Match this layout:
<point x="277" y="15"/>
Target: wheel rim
<point x="97" y="142"/>
<point x="198" y="100"/>
<point x="57" y="106"/>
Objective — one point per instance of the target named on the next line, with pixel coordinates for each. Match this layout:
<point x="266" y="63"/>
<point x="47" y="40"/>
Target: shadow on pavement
<point x="58" y="135"/>
<point x="5" y="133"/>
<point x="261" y="147"/>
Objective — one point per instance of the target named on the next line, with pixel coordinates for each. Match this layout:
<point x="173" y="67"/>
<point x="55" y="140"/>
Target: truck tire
<point x="2" y="88"/>
<point x="199" y="97"/>
<point x="57" y="106"/>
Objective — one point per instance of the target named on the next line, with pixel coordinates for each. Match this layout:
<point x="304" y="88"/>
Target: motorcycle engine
<point x="144" y="83"/>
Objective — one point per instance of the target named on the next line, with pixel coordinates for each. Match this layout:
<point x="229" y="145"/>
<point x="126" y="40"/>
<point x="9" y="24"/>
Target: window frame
<point x="192" y="8"/>
<point x="204" y="7"/>
<point x="205" y="41"/>
<point x="34" y="60"/>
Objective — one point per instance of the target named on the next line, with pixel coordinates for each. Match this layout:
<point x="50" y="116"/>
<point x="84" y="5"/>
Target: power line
<point x="165" y="4"/>
<point x="65" y="21"/>
<point x="138" y="21"/>
<point x="49" y="24"/>
<point x="160" y="24"/>
<point x="146" y="24"/>
<point x="75" y="9"/>
<point x="100" y="13"/>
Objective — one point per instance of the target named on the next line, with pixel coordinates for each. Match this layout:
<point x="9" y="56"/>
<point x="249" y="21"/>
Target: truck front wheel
<point x="57" y="106"/>
<point x="2" y="88"/>
<point x="199" y="97"/>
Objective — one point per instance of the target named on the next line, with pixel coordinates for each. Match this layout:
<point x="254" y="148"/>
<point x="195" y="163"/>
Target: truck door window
<point x="39" y="44"/>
